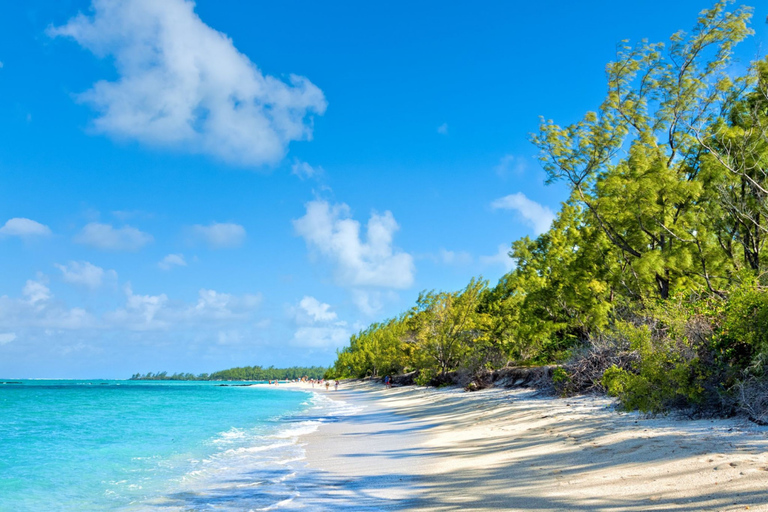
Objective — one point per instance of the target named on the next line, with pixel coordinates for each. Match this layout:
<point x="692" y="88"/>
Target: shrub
<point x="425" y="377"/>
<point x="562" y="381"/>
<point x="666" y="374"/>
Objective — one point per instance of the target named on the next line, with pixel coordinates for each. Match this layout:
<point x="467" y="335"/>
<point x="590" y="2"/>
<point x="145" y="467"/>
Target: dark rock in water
<point x="12" y="382"/>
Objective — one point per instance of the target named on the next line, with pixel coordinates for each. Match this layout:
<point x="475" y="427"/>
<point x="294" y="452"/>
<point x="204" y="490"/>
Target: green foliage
<point x="250" y="373"/>
<point x="743" y="338"/>
<point x="448" y="326"/>
<point x="657" y="248"/>
<point x="425" y="377"/>
<point x="561" y="381"/>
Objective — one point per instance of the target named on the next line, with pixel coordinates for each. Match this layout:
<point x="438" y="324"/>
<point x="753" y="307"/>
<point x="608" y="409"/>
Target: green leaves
<point x="667" y="214"/>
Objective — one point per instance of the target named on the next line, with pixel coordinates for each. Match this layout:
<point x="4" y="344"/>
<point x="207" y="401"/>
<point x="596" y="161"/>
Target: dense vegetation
<point x="244" y="373"/>
<point x="650" y="283"/>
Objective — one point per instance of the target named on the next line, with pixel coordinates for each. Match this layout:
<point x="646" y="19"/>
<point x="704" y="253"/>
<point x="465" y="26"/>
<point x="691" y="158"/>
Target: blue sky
<point x="190" y="187"/>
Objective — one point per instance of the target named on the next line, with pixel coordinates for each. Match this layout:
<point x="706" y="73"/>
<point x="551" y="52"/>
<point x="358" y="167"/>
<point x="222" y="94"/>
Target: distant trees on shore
<point x="241" y="373"/>
<point x="654" y="269"/>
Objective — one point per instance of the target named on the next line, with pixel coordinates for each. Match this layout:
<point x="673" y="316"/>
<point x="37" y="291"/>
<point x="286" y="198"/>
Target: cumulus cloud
<point x="152" y="323"/>
<point x="315" y="310"/>
<point x="219" y="235"/>
<point x="360" y="261"/>
<point x="36" y="292"/>
<point x="36" y="308"/>
<point x="83" y="273"/>
<point x="305" y="171"/>
<point x="318" y="326"/>
<point x="140" y="312"/>
<point x="537" y="216"/>
<point x="19" y="226"/>
<point x="500" y="258"/>
<point x="172" y="260"/>
<point x="158" y="312"/>
<point x="183" y="84"/>
<point x="108" y="238"/>
<point x="213" y="305"/>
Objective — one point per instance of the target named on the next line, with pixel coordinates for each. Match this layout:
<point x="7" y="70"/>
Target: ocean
<point x="148" y="445"/>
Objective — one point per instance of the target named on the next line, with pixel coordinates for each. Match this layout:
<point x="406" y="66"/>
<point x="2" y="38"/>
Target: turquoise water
<point x="131" y="445"/>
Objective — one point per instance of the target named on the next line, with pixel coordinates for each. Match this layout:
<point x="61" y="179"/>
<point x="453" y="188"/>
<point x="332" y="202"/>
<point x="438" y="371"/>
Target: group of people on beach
<point x="307" y="380"/>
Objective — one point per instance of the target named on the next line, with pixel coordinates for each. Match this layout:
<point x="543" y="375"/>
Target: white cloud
<point x="22" y="227"/>
<point x="85" y="274"/>
<point x="321" y="337"/>
<point x="443" y="129"/>
<point x="305" y="171"/>
<point x="317" y="326"/>
<point x="183" y="84"/>
<point x="36" y="291"/>
<point x="500" y="258"/>
<point x="315" y="310"/>
<point x="38" y="309"/>
<point x="510" y="164"/>
<point x="219" y="235"/>
<point x="213" y="305"/>
<point x="158" y="312"/>
<point x="172" y="260"/>
<point x="537" y="216"/>
<point x="152" y="322"/>
<point x="106" y="237"/>
<point x="140" y="313"/>
<point x="370" y="261"/>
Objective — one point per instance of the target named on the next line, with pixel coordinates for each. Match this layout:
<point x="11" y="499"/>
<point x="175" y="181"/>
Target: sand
<point x="413" y="448"/>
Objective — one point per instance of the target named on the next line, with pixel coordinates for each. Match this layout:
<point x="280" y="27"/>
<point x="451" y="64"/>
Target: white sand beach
<point x="413" y="448"/>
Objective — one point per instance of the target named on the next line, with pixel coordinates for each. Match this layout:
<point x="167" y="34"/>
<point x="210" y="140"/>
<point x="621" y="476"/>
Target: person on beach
<point x="327" y="384"/>
<point x="386" y="382"/>
<point x="337" y="385"/>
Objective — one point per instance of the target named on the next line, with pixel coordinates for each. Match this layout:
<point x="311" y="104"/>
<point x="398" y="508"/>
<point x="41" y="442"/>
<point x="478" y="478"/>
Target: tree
<point x="446" y="325"/>
<point x="737" y="160"/>
<point x="633" y="164"/>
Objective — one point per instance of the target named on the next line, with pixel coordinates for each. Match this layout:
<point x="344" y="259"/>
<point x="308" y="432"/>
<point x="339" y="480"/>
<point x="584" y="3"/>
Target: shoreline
<point x="413" y="448"/>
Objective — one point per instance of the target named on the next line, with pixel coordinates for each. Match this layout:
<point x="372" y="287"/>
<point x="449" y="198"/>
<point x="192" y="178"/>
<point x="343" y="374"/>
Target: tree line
<point x="655" y="266"/>
<point x="250" y="373"/>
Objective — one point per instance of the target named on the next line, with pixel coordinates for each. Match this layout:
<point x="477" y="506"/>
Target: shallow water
<point x="148" y="445"/>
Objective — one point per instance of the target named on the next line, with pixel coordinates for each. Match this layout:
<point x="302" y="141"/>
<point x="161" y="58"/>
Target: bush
<point x="587" y="365"/>
<point x="562" y="382"/>
<point x="424" y="377"/>
<point x="743" y="336"/>
<point x="667" y="372"/>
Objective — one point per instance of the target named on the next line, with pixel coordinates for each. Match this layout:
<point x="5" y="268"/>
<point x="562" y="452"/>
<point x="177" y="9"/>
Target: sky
<point x="188" y="187"/>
